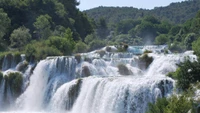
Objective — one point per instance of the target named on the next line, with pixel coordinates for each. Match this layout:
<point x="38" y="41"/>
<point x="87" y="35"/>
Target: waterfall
<point x="48" y="75"/>
<point x="2" y="89"/>
<point x="119" y="95"/>
<point x="93" y="83"/>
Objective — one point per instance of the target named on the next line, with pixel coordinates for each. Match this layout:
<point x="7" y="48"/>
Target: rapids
<point x="92" y="83"/>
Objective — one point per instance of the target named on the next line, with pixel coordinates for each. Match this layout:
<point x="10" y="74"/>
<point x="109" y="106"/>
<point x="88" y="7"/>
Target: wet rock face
<point x="78" y="58"/>
<point x="86" y="71"/>
<point x="123" y="70"/>
<point x="162" y="86"/>
<point x="73" y="94"/>
<point x="101" y="52"/>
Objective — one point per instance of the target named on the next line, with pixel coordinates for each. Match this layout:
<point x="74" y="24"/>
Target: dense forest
<point x="57" y="27"/>
<point x="175" y="13"/>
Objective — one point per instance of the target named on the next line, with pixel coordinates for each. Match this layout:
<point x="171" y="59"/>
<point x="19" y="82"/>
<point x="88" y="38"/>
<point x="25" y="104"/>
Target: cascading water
<point x="94" y="84"/>
<point x="48" y="75"/>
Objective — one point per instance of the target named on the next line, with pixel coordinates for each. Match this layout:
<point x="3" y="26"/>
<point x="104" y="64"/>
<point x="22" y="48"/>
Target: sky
<point x="145" y="4"/>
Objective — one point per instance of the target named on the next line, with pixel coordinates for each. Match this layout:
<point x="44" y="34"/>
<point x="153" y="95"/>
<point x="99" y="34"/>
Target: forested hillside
<point x="42" y="27"/>
<point x="174" y="13"/>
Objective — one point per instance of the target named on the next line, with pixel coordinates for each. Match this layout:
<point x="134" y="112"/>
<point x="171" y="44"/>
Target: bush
<point x="15" y="81"/>
<point x="147" y="51"/>
<point x="39" y="50"/>
<point x="174" y="104"/>
<point x="187" y="73"/>
<point x="20" y="37"/>
<point x="80" y="47"/>
<point x="123" y="70"/>
<point x="96" y="44"/>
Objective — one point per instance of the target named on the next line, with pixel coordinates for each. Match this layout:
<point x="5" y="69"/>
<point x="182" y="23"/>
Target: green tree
<point x="196" y="47"/>
<point x="4" y="23"/>
<point x="20" y="37"/>
<point x="43" y="26"/>
<point x="161" y="39"/>
<point x="80" y="47"/>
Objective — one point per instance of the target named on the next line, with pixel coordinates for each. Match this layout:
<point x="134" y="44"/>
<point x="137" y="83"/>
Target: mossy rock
<point x="78" y="58"/>
<point x="147" y="51"/>
<point x="145" y="61"/>
<point x="15" y="81"/>
<point x="123" y="70"/>
<point x="101" y="52"/>
<point x="86" y="71"/>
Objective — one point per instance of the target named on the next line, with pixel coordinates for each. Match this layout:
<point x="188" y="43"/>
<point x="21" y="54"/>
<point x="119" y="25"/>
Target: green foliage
<point x="175" y="12"/>
<point x="191" y="37"/>
<point x="96" y="44"/>
<point x="161" y="39"/>
<point x="61" y="44"/>
<point x="20" y="37"/>
<point x="174" y="104"/>
<point x="4" y="24"/>
<point x="80" y="47"/>
<point x="43" y="25"/>
<point x="15" y="81"/>
<point x="89" y="38"/>
<point x="177" y="47"/>
<point x="40" y="50"/>
<point x="186" y="74"/>
<point x="196" y="47"/>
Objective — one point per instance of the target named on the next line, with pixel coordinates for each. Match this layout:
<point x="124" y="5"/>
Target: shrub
<point x="20" y="37"/>
<point x="187" y="73"/>
<point x="174" y="104"/>
<point x="123" y="70"/>
<point x="147" y="51"/>
<point x="78" y="58"/>
<point x="80" y="47"/>
<point x="96" y="44"/>
<point x="15" y="81"/>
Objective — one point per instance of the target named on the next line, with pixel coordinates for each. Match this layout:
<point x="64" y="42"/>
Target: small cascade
<point x="65" y="96"/>
<point x="119" y="95"/>
<point x="11" y="61"/>
<point x="2" y="89"/>
<point x="48" y="75"/>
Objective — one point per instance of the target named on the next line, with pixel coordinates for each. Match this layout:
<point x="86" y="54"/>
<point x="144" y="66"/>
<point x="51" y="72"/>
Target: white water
<point x="52" y="88"/>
